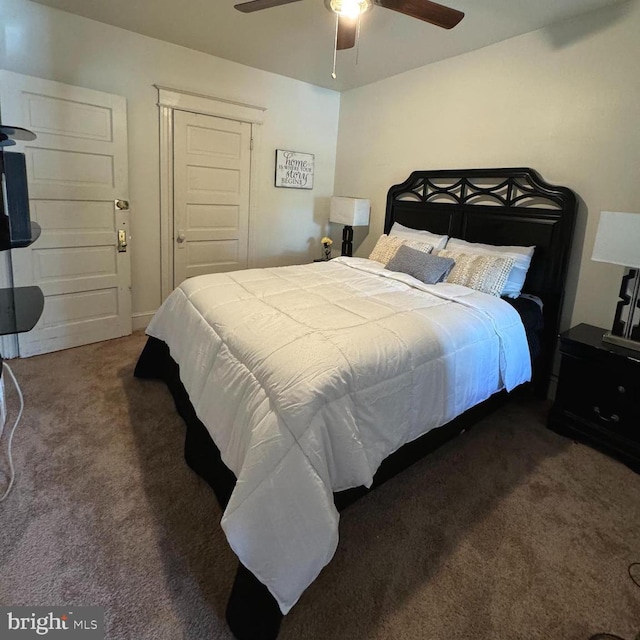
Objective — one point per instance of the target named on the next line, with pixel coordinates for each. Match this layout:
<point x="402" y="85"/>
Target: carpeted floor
<point x="508" y="532"/>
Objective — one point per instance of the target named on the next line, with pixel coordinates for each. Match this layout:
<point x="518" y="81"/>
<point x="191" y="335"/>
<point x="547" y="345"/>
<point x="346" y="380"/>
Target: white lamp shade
<point x="618" y="239"/>
<point x="353" y="212"/>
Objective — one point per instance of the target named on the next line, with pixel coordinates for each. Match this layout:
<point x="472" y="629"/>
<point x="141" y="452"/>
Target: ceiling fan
<point x="348" y="14"/>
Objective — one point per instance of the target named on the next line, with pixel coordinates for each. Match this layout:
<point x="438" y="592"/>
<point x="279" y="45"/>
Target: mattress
<point x="307" y="377"/>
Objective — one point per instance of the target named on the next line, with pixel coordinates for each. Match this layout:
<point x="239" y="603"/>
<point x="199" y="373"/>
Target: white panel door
<point x="76" y="170"/>
<point x="212" y="162"/>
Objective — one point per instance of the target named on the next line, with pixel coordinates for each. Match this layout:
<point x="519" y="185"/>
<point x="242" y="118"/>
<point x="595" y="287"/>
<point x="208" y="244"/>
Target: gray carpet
<point x="511" y="531"/>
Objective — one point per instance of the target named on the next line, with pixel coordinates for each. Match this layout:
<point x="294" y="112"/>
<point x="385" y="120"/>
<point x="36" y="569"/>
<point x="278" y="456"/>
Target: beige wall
<point x="50" y="44"/>
<point x="563" y="100"/>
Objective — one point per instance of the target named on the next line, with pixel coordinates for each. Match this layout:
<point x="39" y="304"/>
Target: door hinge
<point x="251" y="144"/>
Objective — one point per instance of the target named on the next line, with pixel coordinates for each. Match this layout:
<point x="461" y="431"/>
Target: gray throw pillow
<point x="425" y="267"/>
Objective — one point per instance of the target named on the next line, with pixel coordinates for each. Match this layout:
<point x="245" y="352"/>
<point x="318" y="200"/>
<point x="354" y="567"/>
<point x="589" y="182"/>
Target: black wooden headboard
<point x="501" y="207"/>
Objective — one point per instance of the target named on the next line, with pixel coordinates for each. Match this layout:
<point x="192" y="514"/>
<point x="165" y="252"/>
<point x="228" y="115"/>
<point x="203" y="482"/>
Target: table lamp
<point x="618" y="242"/>
<point x="351" y="212"/>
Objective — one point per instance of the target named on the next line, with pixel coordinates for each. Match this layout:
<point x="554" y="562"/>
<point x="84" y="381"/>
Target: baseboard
<point x="9" y="347"/>
<point x="141" y="320"/>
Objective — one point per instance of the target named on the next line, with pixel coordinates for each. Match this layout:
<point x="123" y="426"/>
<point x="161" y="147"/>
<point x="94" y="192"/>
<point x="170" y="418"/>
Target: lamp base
<point x="626" y="324"/>
<point x="347" y="240"/>
<point x="619" y="341"/>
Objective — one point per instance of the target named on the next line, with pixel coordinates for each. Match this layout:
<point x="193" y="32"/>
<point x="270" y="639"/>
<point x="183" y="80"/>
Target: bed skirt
<point x="252" y="612"/>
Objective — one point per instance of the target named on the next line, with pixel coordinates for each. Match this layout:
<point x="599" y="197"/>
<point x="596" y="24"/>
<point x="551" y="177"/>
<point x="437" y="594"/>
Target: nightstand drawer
<point x="605" y="395"/>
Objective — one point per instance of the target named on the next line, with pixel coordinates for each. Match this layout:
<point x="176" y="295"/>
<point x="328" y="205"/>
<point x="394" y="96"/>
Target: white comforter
<point x="307" y="377"/>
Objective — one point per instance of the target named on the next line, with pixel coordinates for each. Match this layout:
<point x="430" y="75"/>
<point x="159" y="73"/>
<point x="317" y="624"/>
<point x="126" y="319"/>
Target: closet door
<point x="212" y="164"/>
<point x="78" y="191"/>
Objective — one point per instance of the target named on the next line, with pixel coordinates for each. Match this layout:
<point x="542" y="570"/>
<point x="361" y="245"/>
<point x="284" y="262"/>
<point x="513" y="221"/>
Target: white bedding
<point x="307" y="377"/>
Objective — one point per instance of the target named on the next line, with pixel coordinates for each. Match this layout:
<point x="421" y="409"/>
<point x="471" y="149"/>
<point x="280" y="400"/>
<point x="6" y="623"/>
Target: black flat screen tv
<point x="18" y="230"/>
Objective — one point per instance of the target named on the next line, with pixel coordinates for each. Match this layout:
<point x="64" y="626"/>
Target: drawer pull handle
<point x="614" y="417"/>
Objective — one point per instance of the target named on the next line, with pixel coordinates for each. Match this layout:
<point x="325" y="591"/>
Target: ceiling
<point x="296" y="40"/>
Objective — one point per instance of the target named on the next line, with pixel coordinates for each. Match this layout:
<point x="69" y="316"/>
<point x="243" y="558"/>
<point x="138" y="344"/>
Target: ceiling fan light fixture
<point x="349" y="8"/>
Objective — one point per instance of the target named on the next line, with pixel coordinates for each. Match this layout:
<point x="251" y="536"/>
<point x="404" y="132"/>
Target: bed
<point x="289" y="379"/>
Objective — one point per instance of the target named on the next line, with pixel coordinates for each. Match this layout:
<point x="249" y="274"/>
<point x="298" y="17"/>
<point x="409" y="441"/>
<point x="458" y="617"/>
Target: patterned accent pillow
<point x="480" y="272"/>
<point x="425" y="267"/>
<point x="521" y="256"/>
<point x="385" y="248"/>
<point x="419" y="245"/>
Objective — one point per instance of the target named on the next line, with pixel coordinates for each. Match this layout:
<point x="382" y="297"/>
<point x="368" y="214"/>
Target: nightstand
<point x="598" y="396"/>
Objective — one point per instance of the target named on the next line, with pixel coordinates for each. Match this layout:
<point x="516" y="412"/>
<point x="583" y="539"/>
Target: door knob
<point x="181" y="238"/>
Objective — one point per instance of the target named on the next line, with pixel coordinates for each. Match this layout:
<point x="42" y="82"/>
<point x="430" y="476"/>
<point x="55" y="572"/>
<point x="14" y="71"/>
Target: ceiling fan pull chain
<point x="358" y="39"/>
<point x="335" y="48"/>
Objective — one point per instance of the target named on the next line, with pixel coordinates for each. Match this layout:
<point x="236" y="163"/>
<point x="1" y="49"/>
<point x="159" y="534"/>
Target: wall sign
<point x="294" y="170"/>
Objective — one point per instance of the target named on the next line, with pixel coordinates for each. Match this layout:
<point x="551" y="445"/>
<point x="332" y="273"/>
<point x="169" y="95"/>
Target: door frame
<point x="170" y="100"/>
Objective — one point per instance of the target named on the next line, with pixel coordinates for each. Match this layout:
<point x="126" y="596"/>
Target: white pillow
<point x="439" y="242"/>
<point x="521" y="261"/>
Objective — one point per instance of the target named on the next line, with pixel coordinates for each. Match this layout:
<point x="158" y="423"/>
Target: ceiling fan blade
<point x="257" y="5"/>
<point x="347" y="28"/>
<point x="426" y="10"/>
